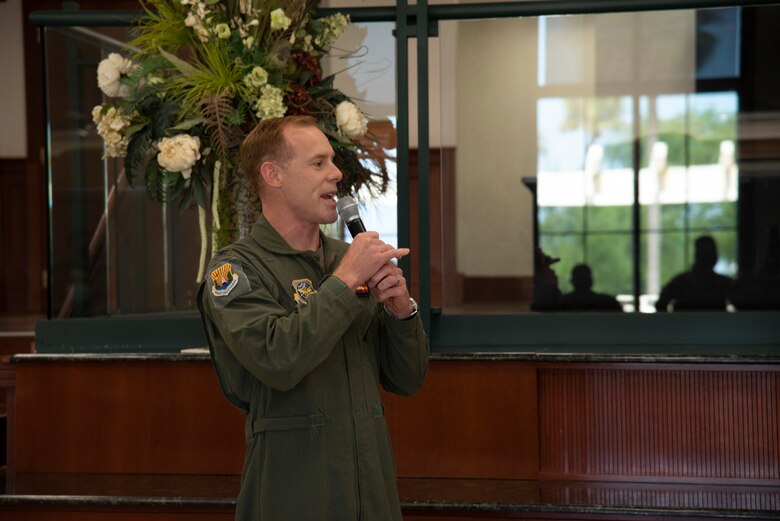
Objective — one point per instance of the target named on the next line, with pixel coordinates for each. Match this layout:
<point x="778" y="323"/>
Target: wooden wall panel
<point x="470" y="419"/>
<point x="657" y="424"/>
<point x="104" y="417"/>
<point x="653" y="495"/>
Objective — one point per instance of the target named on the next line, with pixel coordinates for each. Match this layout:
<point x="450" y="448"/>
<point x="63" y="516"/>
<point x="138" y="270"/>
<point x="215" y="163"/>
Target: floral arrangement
<point x="201" y="76"/>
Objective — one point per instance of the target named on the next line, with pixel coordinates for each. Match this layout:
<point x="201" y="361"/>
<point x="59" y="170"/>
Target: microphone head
<point x="347" y="208"/>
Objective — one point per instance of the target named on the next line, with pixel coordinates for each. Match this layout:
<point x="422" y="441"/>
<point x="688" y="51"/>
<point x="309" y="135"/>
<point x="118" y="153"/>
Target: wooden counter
<point x="660" y="431"/>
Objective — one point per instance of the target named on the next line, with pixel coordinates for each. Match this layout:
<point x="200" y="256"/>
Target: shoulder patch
<point x="303" y="288"/>
<point x="226" y="282"/>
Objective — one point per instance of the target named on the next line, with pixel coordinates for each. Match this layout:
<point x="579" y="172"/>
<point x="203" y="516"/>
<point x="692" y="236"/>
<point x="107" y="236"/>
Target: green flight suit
<point x="302" y="356"/>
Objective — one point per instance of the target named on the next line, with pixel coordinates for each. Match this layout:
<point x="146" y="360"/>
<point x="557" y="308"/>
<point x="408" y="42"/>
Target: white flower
<point x="257" y="78"/>
<point x="191" y="20"/>
<point x="111" y="126"/>
<point x="334" y="26"/>
<point x="179" y="153"/>
<point x="110" y="72"/>
<point x="223" y="31"/>
<point x="271" y="103"/>
<point x="279" y="20"/>
<point x="351" y="122"/>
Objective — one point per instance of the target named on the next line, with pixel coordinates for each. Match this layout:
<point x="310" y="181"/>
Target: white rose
<point x="179" y="153"/>
<point x="351" y="122"/>
<point x="110" y="72"/>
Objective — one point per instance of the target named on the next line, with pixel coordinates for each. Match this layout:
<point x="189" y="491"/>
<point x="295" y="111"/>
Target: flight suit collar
<point x="267" y="237"/>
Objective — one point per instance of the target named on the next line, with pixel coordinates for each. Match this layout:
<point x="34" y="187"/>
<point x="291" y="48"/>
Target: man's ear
<point x="269" y="173"/>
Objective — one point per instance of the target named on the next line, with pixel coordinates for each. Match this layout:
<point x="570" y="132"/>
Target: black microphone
<point x="348" y="211"/>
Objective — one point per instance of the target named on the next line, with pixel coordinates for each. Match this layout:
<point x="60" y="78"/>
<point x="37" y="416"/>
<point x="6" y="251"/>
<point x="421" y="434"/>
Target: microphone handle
<point x="355" y="226"/>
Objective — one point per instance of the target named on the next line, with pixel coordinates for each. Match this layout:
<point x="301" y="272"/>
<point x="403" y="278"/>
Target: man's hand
<point x="365" y="257"/>
<point x="389" y="287"/>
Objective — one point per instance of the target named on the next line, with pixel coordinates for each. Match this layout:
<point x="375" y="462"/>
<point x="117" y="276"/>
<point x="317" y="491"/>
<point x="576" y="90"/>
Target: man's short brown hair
<point x="266" y="142"/>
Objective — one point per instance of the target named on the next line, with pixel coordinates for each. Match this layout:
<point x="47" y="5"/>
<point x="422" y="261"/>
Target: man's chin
<point x="329" y="219"/>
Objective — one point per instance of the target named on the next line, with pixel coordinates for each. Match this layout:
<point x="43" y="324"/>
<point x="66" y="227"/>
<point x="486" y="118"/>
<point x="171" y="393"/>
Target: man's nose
<point x="335" y="173"/>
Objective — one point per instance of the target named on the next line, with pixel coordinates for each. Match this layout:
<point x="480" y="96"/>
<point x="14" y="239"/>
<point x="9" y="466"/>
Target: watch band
<point x="410" y="316"/>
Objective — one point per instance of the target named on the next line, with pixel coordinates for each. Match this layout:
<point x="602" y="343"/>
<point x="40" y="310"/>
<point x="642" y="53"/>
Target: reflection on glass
<point x="114" y="251"/>
<point x="634" y="133"/>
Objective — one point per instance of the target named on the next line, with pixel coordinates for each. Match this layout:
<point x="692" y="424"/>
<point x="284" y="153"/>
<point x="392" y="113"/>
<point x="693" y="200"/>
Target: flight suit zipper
<point x="354" y="431"/>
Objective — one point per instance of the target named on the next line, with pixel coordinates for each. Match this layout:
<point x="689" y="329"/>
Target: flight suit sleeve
<point x="277" y="346"/>
<point x="403" y="354"/>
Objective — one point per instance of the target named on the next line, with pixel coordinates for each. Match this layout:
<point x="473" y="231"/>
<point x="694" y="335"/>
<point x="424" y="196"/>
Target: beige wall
<point x="13" y="131"/>
<point x="496" y="136"/>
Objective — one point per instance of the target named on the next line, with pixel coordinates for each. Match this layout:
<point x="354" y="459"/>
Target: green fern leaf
<point x="155" y="182"/>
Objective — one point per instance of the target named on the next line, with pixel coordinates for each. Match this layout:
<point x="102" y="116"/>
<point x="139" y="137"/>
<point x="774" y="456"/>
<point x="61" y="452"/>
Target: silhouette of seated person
<point x="547" y="295"/>
<point x="700" y="289"/>
<point x="583" y="298"/>
<point x="760" y="290"/>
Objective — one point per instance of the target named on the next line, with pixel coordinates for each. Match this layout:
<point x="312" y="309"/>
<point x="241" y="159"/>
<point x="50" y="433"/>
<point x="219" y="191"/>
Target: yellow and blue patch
<point x="362" y="290"/>
<point x="224" y="280"/>
<point x="303" y="289"/>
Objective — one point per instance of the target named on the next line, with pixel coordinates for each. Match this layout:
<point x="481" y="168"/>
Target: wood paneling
<point x="499" y="419"/>
<point x="660" y="424"/>
<point x="468" y="420"/>
<point x="442" y="223"/>
<point x="22" y="238"/>
<point x="165" y="417"/>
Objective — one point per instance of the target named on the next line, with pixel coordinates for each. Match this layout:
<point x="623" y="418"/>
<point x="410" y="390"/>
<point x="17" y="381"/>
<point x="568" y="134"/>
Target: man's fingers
<point x="396" y="253"/>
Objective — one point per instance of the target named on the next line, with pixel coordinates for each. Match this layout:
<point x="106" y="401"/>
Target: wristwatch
<point x="410" y="316"/>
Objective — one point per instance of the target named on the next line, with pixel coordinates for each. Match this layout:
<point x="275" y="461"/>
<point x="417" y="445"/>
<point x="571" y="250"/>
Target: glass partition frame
<point x="529" y="332"/>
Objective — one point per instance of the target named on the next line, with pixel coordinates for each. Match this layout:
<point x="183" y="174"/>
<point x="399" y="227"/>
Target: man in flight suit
<point x="302" y="331"/>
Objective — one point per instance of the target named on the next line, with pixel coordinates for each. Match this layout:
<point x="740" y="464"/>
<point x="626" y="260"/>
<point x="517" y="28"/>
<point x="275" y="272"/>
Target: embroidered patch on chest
<point x="303" y="289"/>
<point x="362" y="290"/>
<point x="224" y="280"/>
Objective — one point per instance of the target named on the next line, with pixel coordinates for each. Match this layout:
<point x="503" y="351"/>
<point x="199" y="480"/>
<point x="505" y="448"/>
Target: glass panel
<point x="369" y="79"/>
<point x="672" y="259"/>
<point x="554" y="219"/>
<point x="609" y="257"/>
<point x="569" y="249"/>
<point x="114" y="251"/>
<point x="559" y="122"/>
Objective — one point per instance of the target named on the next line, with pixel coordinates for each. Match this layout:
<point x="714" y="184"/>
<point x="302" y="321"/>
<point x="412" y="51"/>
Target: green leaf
<point x="189" y="123"/>
<point x="327" y="81"/>
<point x="178" y="187"/>
<point x="155" y="187"/>
<point x="201" y="197"/>
<point x="186" y="201"/>
<point x="137" y="154"/>
<point x="171" y="178"/>
<point x="183" y="66"/>
<point x="133" y="129"/>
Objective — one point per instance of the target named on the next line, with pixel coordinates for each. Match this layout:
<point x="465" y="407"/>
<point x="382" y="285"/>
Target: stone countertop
<point x="761" y="354"/>
<point x="489" y="496"/>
